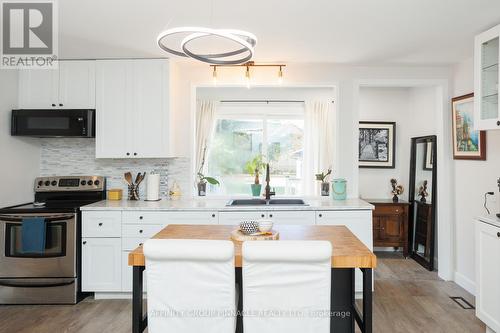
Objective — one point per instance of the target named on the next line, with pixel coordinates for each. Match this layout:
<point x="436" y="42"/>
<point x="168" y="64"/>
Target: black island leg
<point x="365" y="321"/>
<point x="139" y="322"/>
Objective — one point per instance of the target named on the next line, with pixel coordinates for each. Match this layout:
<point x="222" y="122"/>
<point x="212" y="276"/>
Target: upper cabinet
<point x="486" y="77"/>
<point x="71" y="86"/>
<point x="132" y="103"/>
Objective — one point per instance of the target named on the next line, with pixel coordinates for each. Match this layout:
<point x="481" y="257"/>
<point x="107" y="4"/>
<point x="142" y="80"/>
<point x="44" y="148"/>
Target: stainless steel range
<point x="50" y="274"/>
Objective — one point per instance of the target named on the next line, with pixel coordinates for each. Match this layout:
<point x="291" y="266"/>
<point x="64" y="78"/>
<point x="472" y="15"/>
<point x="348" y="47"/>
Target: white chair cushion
<point x="286" y="286"/>
<point x="191" y="286"/>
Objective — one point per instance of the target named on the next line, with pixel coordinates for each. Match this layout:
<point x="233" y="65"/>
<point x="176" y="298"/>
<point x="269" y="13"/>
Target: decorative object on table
<point x="265" y="225"/>
<point x="249" y="227"/>
<point x="339" y="189"/>
<point x="133" y="187"/>
<point x="202" y="179"/>
<point x="468" y="144"/>
<point x="115" y="194"/>
<point x="377" y="144"/>
<point x="325" y="186"/>
<point x="254" y="167"/>
<point x="175" y="191"/>
<point x="397" y="189"/>
<point x="428" y="154"/>
<point x="239" y="236"/>
<point x="422" y="192"/>
<point x="153" y="187"/>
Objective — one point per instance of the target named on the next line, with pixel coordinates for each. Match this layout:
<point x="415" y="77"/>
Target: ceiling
<point x="372" y="32"/>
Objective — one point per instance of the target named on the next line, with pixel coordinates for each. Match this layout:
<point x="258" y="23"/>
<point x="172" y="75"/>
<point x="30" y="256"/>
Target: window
<point x="244" y="131"/>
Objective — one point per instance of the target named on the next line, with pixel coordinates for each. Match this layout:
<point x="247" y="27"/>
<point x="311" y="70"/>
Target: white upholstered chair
<point x="286" y="286"/>
<point x="191" y="286"/>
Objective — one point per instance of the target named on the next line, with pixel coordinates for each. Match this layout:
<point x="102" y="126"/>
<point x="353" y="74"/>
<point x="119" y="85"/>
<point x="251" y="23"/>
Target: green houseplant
<point x="202" y="179"/>
<point x="254" y="168"/>
<point x="325" y="186"/>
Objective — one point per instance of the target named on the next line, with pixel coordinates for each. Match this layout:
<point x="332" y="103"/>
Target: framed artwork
<point x="377" y="144"/>
<point x="468" y="144"/>
<point x="428" y="161"/>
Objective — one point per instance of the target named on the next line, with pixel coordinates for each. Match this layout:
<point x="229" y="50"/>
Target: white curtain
<point x="319" y="143"/>
<point x="205" y="122"/>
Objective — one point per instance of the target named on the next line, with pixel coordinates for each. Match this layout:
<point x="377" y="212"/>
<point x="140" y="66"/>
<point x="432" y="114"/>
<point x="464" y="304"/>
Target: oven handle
<point x="32" y="284"/>
<point x="10" y="218"/>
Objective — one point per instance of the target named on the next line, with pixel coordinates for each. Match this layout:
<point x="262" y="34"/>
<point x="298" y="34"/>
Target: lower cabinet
<point x="488" y="274"/>
<point x="278" y="217"/>
<point x="101" y="264"/>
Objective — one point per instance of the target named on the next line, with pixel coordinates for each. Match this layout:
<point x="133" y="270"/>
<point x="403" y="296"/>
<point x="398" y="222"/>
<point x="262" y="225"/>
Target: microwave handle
<point x="31" y="284"/>
<point x="8" y="218"/>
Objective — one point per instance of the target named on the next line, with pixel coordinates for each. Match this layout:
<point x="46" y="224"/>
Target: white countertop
<point x="491" y="219"/>
<point x="315" y="203"/>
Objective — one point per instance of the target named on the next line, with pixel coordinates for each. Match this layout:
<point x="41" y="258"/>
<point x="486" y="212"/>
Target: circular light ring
<point x="249" y="37"/>
<point x="215" y="59"/>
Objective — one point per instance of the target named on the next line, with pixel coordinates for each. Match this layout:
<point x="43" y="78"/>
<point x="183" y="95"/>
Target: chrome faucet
<point x="268" y="187"/>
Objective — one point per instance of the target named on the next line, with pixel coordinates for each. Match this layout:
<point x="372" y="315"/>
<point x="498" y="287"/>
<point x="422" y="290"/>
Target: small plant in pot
<point x="325" y="186"/>
<point x="203" y="180"/>
<point x="397" y="190"/>
<point x="254" y="167"/>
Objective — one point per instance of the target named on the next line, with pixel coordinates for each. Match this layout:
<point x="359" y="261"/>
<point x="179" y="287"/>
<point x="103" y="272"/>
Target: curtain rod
<point x="261" y="101"/>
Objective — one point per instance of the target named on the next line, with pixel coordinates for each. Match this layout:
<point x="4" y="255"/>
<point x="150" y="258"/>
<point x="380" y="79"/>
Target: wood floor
<point x="407" y="299"/>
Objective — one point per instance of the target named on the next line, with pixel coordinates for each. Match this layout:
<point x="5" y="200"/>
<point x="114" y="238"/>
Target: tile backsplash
<point x="76" y="156"/>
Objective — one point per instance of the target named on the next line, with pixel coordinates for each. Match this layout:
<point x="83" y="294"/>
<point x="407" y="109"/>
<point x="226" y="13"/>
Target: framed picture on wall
<point x="468" y="144"/>
<point x="377" y="144"/>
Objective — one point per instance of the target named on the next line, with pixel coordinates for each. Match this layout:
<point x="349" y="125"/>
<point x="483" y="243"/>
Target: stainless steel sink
<point x="262" y="202"/>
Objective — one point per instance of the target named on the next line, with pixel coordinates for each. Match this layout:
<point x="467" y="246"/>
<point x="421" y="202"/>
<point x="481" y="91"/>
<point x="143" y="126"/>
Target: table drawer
<point x="145" y="217"/>
<point x="388" y="210"/>
<point x="101" y="224"/>
<point x="130" y="244"/>
<point x="145" y="230"/>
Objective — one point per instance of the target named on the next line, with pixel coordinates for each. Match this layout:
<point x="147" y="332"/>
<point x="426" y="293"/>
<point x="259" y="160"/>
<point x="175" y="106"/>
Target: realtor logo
<point x="29" y="37"/>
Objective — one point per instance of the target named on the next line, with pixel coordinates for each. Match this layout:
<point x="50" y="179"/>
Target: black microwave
<point x="53" y="123"/>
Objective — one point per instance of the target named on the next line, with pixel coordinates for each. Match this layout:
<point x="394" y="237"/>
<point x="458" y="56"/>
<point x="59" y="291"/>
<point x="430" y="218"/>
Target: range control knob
<point x="54" y="183"/>
<point x="47" y="183"/>
<point x="89" y="183"/>
<point x="40" y="183"/>
<point x="97" y="182"/>
<point x="83" y="182"/>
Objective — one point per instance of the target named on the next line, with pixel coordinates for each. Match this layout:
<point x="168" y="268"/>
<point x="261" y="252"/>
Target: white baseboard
<point x="465" y="283"/>
<point x="118" y="295"/>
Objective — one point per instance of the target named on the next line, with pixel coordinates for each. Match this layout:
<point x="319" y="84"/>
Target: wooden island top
<point x="348" y="251"/>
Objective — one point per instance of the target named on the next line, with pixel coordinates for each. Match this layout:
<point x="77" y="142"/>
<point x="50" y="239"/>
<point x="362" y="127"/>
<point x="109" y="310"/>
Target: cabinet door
<point x="101" y="264"/>
<point x="488" y="275"/>
<point x="38" y="89"/>
<point x="292" y="217"/>
<point x="114" y="125"/>
<point x="151" y="109"/>
<point x="77" y="84"/>
<point x="486" y="78"/>
<point x="235" y="218"/>
<point x="391" y="228"/>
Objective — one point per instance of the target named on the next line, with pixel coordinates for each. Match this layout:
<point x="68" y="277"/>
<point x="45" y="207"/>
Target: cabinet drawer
<point x="130" y="244"/>
<point x="101" y="224"/>
<point x="235" y="218"/>
<point x="145" y="217"/>
<point x="388" y="210"/>
<point x="145" y="231"/>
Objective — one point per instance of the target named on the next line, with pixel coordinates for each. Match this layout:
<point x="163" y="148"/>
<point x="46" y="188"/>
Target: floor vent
<point x="463" y="303"/>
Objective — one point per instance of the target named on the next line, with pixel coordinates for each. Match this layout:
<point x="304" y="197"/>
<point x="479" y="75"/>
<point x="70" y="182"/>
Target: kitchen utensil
<point x="137" y="178"/>
<point x="265" y="225"/>
<point x="128" y="178"/>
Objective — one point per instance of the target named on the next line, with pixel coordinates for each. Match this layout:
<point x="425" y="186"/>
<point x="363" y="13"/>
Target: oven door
<point x="53" y="123"/>
<point x="58" y="259"/>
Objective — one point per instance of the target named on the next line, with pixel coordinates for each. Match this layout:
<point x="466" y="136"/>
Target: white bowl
<point x="265" y="225"/>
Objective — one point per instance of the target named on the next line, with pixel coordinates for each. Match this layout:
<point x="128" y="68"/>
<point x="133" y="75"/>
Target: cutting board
<point x="238" y="236"/>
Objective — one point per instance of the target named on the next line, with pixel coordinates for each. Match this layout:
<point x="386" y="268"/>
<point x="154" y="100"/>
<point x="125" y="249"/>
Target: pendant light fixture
<point x="247" y="66"/>
<point x="242" y="53"/>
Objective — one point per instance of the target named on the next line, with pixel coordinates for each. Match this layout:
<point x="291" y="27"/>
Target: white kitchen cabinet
<point x="292" y="217"/>
<point x="486" y="78"/>
<point x="127" y="275"/>
<point x="101" y="224"/>
<point x="101" y="264"/>
<point x="71" y="86"/>
<point x="139" y="217"/>
<point x="359" y="223"/>
<point x="487" y="239"/>
<point x="132" y="109"/>
<point x="235" y="218"/>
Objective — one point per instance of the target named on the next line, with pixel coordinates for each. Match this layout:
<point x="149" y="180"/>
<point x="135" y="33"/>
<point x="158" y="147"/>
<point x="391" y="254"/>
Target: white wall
<point x="472" y="180"/>
<point x="20" y="157"/>
<point x="345" y="78"/>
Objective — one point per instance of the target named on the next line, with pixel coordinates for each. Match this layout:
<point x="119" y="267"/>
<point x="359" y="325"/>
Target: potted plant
<point x="325" y="186"/>
<point x="202" y="179"/>
<point x="396" y="190"/>
<point x="254" y="167"/>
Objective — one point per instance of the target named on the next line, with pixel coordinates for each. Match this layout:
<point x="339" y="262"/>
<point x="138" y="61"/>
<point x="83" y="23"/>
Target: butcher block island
<point x="348" y="254"/>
